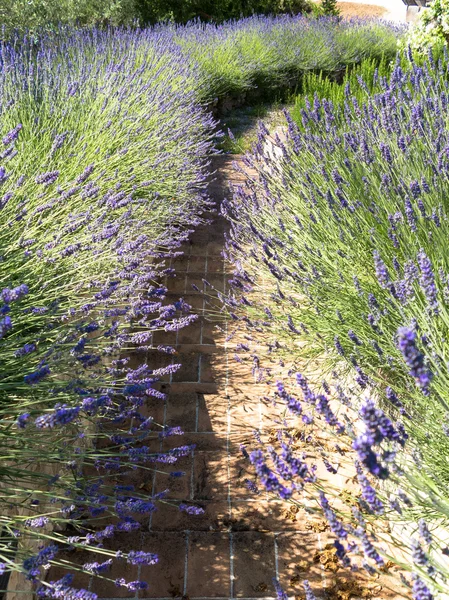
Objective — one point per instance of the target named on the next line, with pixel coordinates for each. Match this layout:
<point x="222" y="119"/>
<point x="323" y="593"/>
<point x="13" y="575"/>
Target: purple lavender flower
<point x="34" y="378"/>
<point x="335" y="525"/>
<point x="415" y="189"/>
<point x="381" y="271"/>
<point x="31" y="565"/>
<point x="427" y="281"/>
<point x="62" y="415"/>
<point x="141" y="558"/>
<point x="47" y="178"/>
<point x="410" y="215"/>
<point x="414" y="359"/>
<point x="97" y="568"/>
<point x="424" y="532"/>
<point x="11" y="136"/>
<point x="131" y="585"/>
<point x="268" y="477"/>
<point x="11" y="295"/>
<point x="341" y="554"/>
<point x="280" y="594"/>
<point x="419" y="556"/>
<point x="5" y="326"/>
<point x="370" y="551"/>
<point x="26" y="349"/>
<point x="368" y="492"/>
<point x="338" y="346"/>
<point x="308" y="590"/>
<point x="420" y="590"/>
<point x="37" y="522"/>
<point x="61" y="590"/>
<point x="191" y="510"/>
<point x="352" y="336"/>
<point x="22" y="420"/>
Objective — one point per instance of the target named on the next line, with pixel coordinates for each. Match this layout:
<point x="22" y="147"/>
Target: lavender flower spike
<point x="414" y="359"/>
<point x="427" y="281"/>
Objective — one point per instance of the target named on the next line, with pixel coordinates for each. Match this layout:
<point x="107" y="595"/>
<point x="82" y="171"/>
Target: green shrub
<point x="329" y="7"/>
<point x="152" y="11"/>
<point x="32" y="14"/>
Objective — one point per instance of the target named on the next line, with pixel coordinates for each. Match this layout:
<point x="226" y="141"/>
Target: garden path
<point x="242" y="540"/>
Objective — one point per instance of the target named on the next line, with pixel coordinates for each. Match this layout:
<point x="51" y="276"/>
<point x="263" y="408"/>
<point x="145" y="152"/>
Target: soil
<point x="354" y="9"/>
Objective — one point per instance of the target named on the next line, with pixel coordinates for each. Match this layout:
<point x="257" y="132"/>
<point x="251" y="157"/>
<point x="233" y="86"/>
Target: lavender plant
<point x="274" y="52"/>
<point x="102" y="176"/>
<point x="340" y="255"/>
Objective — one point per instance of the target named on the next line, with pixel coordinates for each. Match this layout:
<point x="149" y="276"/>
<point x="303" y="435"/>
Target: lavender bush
<point x="274" y="52"/>
<point x="103" y="164"/>
<point x="343" y="234"/>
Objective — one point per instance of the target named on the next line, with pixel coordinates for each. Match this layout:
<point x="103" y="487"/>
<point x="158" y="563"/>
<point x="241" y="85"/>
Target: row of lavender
<point x="104" y="153"/>
<point x="341" y="255"/>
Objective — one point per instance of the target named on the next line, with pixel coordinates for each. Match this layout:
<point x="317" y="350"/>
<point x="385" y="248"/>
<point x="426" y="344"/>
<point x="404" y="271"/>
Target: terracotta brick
<point x="186" y="388"/>
<point x="107" y="589"/>
<point x="180" y="264"/>
<point x="211" y="368"/>
<point x="189" y="371"/>
<point x="197" y="264"/>
<point x="215" y="265"/>
<point x="165" y="338"/>
<point x="210" y="476"/>
<point x="182" y="411"/>
<point x="76" y="557"/>
<point x="296" y="560"/>
<point x="203" y="441"/>
<point x="210" y="332"/>
<point x="217" y="282"/>
<point x="191" y="334"/>
<point x="254" y="564"/>
<point x="179" y="487"/>
<point x="178" y="284"/>
<point x="154" y="407"/>
<point x="258" y="514"/>
<point x="209" y="565"/>
<point x="195" y="283"/>
<point x="213" y="306"/>
<point x="166" y="578"/>
<point x="202" y="235"/>
<point x="215" y="248"/>
<point x="212" y="413"/>
<point x="192" y="298"/>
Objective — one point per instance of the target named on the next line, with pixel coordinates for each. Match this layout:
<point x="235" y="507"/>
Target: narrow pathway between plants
<point x="242" y="540"/>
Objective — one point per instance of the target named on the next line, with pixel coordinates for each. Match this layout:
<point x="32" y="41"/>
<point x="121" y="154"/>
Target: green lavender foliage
<point x="362" y="81"/>
<point x="391" y="198"/>
<point x="340" y="253"/>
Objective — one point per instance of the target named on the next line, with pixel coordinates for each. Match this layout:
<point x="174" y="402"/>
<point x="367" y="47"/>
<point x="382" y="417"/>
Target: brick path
<point x="242" y="541"/>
